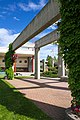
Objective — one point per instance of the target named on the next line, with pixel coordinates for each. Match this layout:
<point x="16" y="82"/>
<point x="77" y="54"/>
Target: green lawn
<point x="14" y="106"/>
<point x="18" y="77"/>
<point x="2" y="75"/>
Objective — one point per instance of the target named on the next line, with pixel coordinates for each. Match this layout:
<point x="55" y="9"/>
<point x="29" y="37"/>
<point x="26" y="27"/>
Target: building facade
<point x="25" y="60"/>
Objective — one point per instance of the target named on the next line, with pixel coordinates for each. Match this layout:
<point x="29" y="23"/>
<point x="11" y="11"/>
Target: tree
<point x="70" y="46"/>
<point x="55" y="59"/>
<point x="49" y="59"/>
<point x="9" y="62"/>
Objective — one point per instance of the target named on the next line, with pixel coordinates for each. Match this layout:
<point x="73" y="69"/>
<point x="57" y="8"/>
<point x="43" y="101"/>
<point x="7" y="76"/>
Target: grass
<point x="2" y="74"/>
<point x="23" y="77"/>
<point x="14" y="106"/>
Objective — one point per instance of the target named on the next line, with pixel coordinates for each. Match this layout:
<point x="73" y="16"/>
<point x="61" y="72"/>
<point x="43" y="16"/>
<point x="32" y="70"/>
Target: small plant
<point x="52" y="72"/>
<point x="10" y="73"/>
<point x="53" y="69"/>
<point x="75" y="107"/>
<point x="9" y="62"/>
<point x="0" y="69"/>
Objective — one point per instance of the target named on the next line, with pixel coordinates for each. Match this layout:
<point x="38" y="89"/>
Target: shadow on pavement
<point x="42" y="85"/>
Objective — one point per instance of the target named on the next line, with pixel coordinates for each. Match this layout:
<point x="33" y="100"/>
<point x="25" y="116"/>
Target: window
<point x="25" y="61"/>
<point x="3" y="60"/>
<point x="20" y="61"/>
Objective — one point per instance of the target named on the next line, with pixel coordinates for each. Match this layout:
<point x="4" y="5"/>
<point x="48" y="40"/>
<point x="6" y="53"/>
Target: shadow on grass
<point x="58" y="113"/>
<point x="15" y="102"/>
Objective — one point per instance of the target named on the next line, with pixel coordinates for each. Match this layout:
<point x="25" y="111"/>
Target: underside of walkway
<point x="50" y="95"/>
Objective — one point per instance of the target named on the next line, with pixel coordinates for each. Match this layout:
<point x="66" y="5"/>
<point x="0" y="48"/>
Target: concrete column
<point x="15" y="66"/>
<point x="32" y="63"/>
<point x="59" y="63"/>
<point x="63" y="77"/>
<point x="53" y="62"/>
<point x="43" y="65"/>
<point x="63" y="68"/>
<point x="37" y="63"/>
<point x="29" y="64"/>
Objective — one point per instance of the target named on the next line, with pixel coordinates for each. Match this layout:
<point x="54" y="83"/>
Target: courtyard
<point x="50" y="95"/>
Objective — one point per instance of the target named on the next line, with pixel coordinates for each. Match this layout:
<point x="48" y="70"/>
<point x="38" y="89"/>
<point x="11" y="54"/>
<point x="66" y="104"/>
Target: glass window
<point x="20" y="61"/>
<point x="25" y="61"/>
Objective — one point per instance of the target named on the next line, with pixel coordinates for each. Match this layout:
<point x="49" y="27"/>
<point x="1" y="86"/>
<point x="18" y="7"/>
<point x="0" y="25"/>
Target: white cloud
<point x="53" y="27"/>
<point x="4" y="12"/>
<point x="50" y="49"/>
<point x="42" y="34"/>
<point x="15" y="18"/>
<point x="6" y="37"/>
<point x="32" y="6"/>
<point x="10" y="7"/>
<point x="1" y="16"/>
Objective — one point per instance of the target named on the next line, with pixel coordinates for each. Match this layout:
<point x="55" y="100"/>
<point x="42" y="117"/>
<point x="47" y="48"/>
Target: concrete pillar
<point x="63" y="77"/>
<point x="59" y="63"/>
<point x="29" y="64"/>
<point x="63" y="68"/>
<point x="53" y="62"/>
<point x="32" y="63"/>
<point x="15" y="66"/>
<point x="43" y="65"/>
<point x="37" y="63"/>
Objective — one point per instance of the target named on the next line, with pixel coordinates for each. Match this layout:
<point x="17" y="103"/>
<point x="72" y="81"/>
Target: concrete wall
<point x="22" y="64"/>
<point x="18" y="64"/>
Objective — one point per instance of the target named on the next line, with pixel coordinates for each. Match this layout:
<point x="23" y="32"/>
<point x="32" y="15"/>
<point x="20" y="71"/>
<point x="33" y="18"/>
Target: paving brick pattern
<point x="52" y="96"/>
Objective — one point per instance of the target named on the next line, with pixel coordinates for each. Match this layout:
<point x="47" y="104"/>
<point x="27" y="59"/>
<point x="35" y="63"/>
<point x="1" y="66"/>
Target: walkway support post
<point x="43" y="65"/>
<point x="63" y="68"/>
<point x="37" y="63"/>
<point x="61" y="65"/>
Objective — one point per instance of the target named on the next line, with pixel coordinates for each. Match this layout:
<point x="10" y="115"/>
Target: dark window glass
<point x="25" y="61"/>
<point x="3" y="60"/>
<point x="20" y="61"/>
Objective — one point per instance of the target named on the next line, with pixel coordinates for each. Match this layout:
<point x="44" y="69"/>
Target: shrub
<point x="10" y="73"/>
<point x="53" y="69"/>
<point x="70" y="44"/>
<point x="49" y="74"/>
<point x="0" y="69"/>
<point x="9" y="62"/>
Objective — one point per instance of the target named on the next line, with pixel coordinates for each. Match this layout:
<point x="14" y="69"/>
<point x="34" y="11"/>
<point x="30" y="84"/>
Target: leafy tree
<point x="49" y="59"/>
<point x="9" y="62"/>
<point x="55" y="59"/>
<point x="70" y="44"/>
<point x="0" y="69"/>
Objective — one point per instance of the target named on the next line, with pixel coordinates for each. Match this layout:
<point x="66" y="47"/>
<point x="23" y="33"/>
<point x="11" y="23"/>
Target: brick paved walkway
<point x="52" y="96"/>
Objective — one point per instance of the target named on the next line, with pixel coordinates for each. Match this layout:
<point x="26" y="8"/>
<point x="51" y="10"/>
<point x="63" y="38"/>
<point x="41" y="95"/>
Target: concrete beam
<point x="49" y="38"/>
<point x="46" y="17"/>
